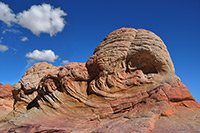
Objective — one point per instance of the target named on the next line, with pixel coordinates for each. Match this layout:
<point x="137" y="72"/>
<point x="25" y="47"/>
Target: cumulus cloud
<point x="65" y="61"/>
<point x="44" y="55"/>
<point x="42" y="18"/>
<point x="23" y="39"/>
<point x="39" y="18"/>
<point x="6" y="14"/>
<point x="3" y="48"/>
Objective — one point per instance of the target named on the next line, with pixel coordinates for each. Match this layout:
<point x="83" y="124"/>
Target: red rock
<point x="128" y="85"/>
<point x="6" y="100"/>
<point x="5" y="91"/>
<point x="26" y="89"/>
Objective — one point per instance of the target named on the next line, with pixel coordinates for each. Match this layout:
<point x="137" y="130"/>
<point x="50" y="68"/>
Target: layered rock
<point x="6" y="100"/>
<point x="128" y="85"/>
<point x="26" y="89"/>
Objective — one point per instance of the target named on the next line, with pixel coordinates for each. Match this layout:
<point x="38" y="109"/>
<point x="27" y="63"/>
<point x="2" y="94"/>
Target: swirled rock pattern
<point x="128" y="85"/>
<point x="26" y="89"/>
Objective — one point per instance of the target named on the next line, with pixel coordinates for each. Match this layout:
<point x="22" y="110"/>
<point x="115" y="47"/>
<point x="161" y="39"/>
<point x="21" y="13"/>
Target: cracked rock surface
<point x="128" y="85"/>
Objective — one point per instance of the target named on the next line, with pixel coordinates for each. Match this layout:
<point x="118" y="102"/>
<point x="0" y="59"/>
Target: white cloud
<point x="23" y="39"/>
<point x="30" y="61"/>
<point x="42" y="19"/>
<point x="6" y="14"/>
<point x="44" y="55"/>
<point x="65" y="61"/>
<point x="3" y="48"/>
<point x="39" y="18"/>
<point x="11" y="30"/>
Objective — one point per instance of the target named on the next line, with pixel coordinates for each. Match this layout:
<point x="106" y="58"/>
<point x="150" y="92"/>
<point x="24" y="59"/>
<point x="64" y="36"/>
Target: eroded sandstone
<point x="6" y="100"/>
<point x="26" y="89"/>
<point x="128" y="85"/>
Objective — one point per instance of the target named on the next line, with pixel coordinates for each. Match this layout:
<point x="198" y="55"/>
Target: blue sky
<point x="69" y="31"/>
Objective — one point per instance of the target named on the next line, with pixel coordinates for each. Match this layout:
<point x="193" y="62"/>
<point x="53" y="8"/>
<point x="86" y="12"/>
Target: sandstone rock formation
<point x="26" y="89"/>
<point x="128" y="85"/>
<point x="6" y="100"/>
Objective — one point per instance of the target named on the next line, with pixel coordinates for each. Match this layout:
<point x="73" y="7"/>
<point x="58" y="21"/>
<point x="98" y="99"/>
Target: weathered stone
<point x="26" y="89"/>
<point x="6" y="101"/>
<point x="128" y="85"/>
